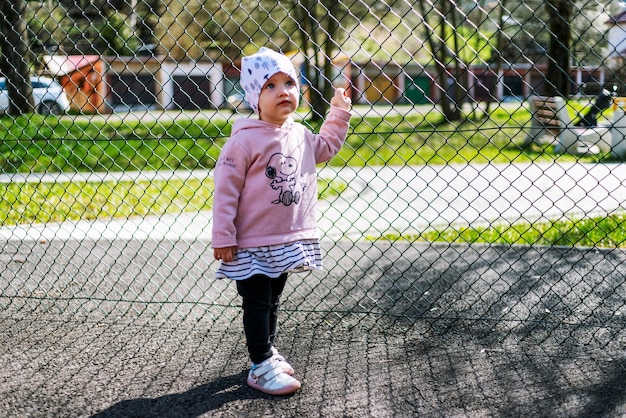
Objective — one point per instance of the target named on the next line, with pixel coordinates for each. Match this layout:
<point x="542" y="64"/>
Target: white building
<point x="616" y="37"/>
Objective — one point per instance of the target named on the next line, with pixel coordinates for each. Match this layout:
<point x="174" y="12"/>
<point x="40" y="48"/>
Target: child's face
<point x="278" y="99"/>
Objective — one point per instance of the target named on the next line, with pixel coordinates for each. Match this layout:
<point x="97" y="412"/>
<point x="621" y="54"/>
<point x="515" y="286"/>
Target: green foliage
<point x="116" y="37"/>
<point x="475" y="46"/>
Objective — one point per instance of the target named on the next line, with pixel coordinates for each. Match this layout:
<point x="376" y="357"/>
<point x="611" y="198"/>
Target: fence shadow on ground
<point x="417" y="330"/>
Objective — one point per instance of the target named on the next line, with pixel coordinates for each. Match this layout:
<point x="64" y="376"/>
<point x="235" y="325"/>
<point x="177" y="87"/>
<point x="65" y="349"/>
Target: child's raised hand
<point x="340" y="99"/>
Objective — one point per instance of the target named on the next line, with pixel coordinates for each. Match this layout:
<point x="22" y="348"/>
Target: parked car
<point x="48" y="95"/>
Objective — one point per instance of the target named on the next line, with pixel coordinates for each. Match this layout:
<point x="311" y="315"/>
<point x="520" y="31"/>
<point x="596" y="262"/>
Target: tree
<point x="106" y="27"/>
<point x="13" y="65"/>
<point x="560" y="16"/>
<point x="437" y="32"/>
<point x="116" y="36"/>
<point x="321" y="35"/>
<point x="235" y="28"/>
<point x="497" y="49"/>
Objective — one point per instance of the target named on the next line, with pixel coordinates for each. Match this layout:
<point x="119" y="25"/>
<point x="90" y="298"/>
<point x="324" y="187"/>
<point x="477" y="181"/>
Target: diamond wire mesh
<point x="433" y="209"/>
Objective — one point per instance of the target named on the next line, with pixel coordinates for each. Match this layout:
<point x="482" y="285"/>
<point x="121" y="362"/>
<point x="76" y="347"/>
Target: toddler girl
<point x="264" y="208"/>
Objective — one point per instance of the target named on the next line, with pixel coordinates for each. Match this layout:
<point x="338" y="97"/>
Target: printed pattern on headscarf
<point x="258" y="68"/>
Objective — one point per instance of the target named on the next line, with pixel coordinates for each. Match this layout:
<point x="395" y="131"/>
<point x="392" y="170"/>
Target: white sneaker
<point x="269" y="377"/>
<point x="283" y="363"/>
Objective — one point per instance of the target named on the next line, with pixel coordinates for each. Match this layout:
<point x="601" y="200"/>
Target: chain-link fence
<point x="457" y="206"/>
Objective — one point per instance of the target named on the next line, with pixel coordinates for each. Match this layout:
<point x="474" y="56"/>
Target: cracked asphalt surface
<point x="90" y="328"/>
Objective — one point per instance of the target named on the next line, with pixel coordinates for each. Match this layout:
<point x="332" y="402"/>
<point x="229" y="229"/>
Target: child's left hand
<point x="225" y="254"/>
<point x="340" y="99"/>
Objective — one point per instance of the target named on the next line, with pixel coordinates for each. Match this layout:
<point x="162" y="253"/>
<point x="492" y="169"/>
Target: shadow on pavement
<point x="389" y="330"/>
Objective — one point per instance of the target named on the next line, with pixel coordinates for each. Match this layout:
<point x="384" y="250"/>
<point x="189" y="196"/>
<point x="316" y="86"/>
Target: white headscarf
<point x="258" y="68"/>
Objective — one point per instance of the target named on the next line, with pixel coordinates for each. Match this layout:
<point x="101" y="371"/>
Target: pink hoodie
<point x="266" y="181"/>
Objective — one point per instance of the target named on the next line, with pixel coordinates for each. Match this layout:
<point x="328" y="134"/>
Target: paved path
<point x="402" y="200"/>
<point x="415" y="198"/>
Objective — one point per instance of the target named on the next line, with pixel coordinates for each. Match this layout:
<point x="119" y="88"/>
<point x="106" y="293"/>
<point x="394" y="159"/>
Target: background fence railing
<point x="432" y="210"/>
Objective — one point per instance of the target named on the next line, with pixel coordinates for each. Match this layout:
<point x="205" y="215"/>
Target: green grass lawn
<point x="35" y="143"/>
<point x="50" y="144"/>
<point x="601" y="232"/>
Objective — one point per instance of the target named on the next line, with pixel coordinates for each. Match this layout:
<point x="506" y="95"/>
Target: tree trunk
<point x="500" y="46"/>
<point x="308" y="23"/>
<point x="460" y="72"/>
<point x="438" y="50"/>
<point x="14" y="50"/>
<point x="332" y="25"/>
<point x="447" y="82"/>
<point x="558" y="77"/>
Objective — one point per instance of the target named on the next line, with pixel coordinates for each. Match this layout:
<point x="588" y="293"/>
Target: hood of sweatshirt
<point x="250" y="123"/>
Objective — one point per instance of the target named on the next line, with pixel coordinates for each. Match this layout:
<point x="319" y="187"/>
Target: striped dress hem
<point x="273" y="260"/>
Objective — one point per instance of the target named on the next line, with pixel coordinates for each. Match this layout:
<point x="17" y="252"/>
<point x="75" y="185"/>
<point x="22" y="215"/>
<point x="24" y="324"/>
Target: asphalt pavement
<point x="124" y="318"/>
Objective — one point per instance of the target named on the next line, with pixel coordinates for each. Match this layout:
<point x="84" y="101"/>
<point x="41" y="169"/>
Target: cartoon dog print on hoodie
<point x="283" y="171"/>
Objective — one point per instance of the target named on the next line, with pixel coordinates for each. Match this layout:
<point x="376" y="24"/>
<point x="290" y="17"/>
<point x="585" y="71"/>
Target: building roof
<point x="60" y="65"/>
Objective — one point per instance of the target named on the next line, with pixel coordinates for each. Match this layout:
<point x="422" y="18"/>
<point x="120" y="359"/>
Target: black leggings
<point x="261" y="298"/>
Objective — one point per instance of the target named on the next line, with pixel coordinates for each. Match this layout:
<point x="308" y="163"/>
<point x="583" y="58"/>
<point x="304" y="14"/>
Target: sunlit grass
<point x="56" y="202"/>
<point x="51" y="144"/>
<point x="23" y="203"/>
<point x="603" y="232"/>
